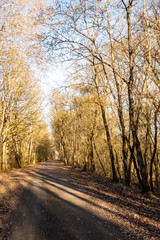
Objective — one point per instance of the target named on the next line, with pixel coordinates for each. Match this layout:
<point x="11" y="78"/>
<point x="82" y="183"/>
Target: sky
<point x="50" y="79"/>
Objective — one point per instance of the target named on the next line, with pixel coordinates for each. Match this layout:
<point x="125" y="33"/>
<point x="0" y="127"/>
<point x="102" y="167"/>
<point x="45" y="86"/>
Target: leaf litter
<point x="136" y="215"/>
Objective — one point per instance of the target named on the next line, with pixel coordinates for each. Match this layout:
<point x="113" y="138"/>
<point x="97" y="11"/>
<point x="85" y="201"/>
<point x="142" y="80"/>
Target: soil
<point x="53" y="201"/>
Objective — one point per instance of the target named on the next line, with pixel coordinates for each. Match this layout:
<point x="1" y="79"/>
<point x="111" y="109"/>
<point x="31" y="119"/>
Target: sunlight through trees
<point x="22" y="131"/>
<point x="106" y="120"/>
<point x="114" y="50"/>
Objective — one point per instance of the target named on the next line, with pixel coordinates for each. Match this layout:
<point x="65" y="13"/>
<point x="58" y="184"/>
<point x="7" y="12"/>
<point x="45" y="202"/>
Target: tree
<point x="115" y="44"/>
<point x="19" y="90"/>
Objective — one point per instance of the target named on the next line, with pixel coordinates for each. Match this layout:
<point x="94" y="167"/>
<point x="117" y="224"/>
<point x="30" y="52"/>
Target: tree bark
<point x="99" y="159"/>
<point x="155" y="148"/>
<point x="133" y="124"/>
<point x="120" y="109"/>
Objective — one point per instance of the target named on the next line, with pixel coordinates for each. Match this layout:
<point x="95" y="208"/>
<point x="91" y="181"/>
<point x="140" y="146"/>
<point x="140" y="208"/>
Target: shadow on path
<point x="48" y="212"/>
<point x="54" y="206"/>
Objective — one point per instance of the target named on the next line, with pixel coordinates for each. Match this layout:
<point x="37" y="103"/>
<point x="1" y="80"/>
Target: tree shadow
<point x="138" y="204"/>
<point x="44" y="215"/>
<point x="66" y="181"/>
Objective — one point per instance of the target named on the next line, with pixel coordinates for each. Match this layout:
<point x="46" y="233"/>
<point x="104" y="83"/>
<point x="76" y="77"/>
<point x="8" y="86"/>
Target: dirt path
<point x="53" y="208"/>
<point x="62" y="203"/>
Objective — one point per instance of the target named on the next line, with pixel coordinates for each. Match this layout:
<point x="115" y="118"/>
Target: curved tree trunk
<point x="133" y="125"/>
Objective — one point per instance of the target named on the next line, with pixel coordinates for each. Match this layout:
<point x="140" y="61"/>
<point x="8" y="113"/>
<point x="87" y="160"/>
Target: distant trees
<point x="21" y="124"/>
<point x="115" y="45"/>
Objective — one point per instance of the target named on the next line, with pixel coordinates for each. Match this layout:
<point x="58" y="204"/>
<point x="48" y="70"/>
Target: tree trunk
<point x="155" y="148"/>
<point x="115" y="177"/>
<point x="30" y="152"/>
<point x="118" y="167"/>
<point x="1" y="153"/>
<point x="135" y="165"/>
<point x="4" y="158"/>
<point x="120" y="110"/>
<point x="133" y="124"/>
<point x="157" y="177"/>
<point x="99" y="159"/>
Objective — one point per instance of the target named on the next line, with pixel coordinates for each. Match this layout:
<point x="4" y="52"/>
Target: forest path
<point x="54" y="207"/>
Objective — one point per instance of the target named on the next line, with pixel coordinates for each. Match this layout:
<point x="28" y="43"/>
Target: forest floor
<point x="133" y="214"/>
<point x="12" y="185"/>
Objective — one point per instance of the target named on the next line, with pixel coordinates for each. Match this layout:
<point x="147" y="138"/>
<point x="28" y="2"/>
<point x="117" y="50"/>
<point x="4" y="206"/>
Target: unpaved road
<point x="52" y="208"/>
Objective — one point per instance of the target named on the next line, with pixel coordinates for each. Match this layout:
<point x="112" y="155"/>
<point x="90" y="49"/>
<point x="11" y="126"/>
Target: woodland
<point x="106" y="119"/>
<point x="24" y="138"/>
